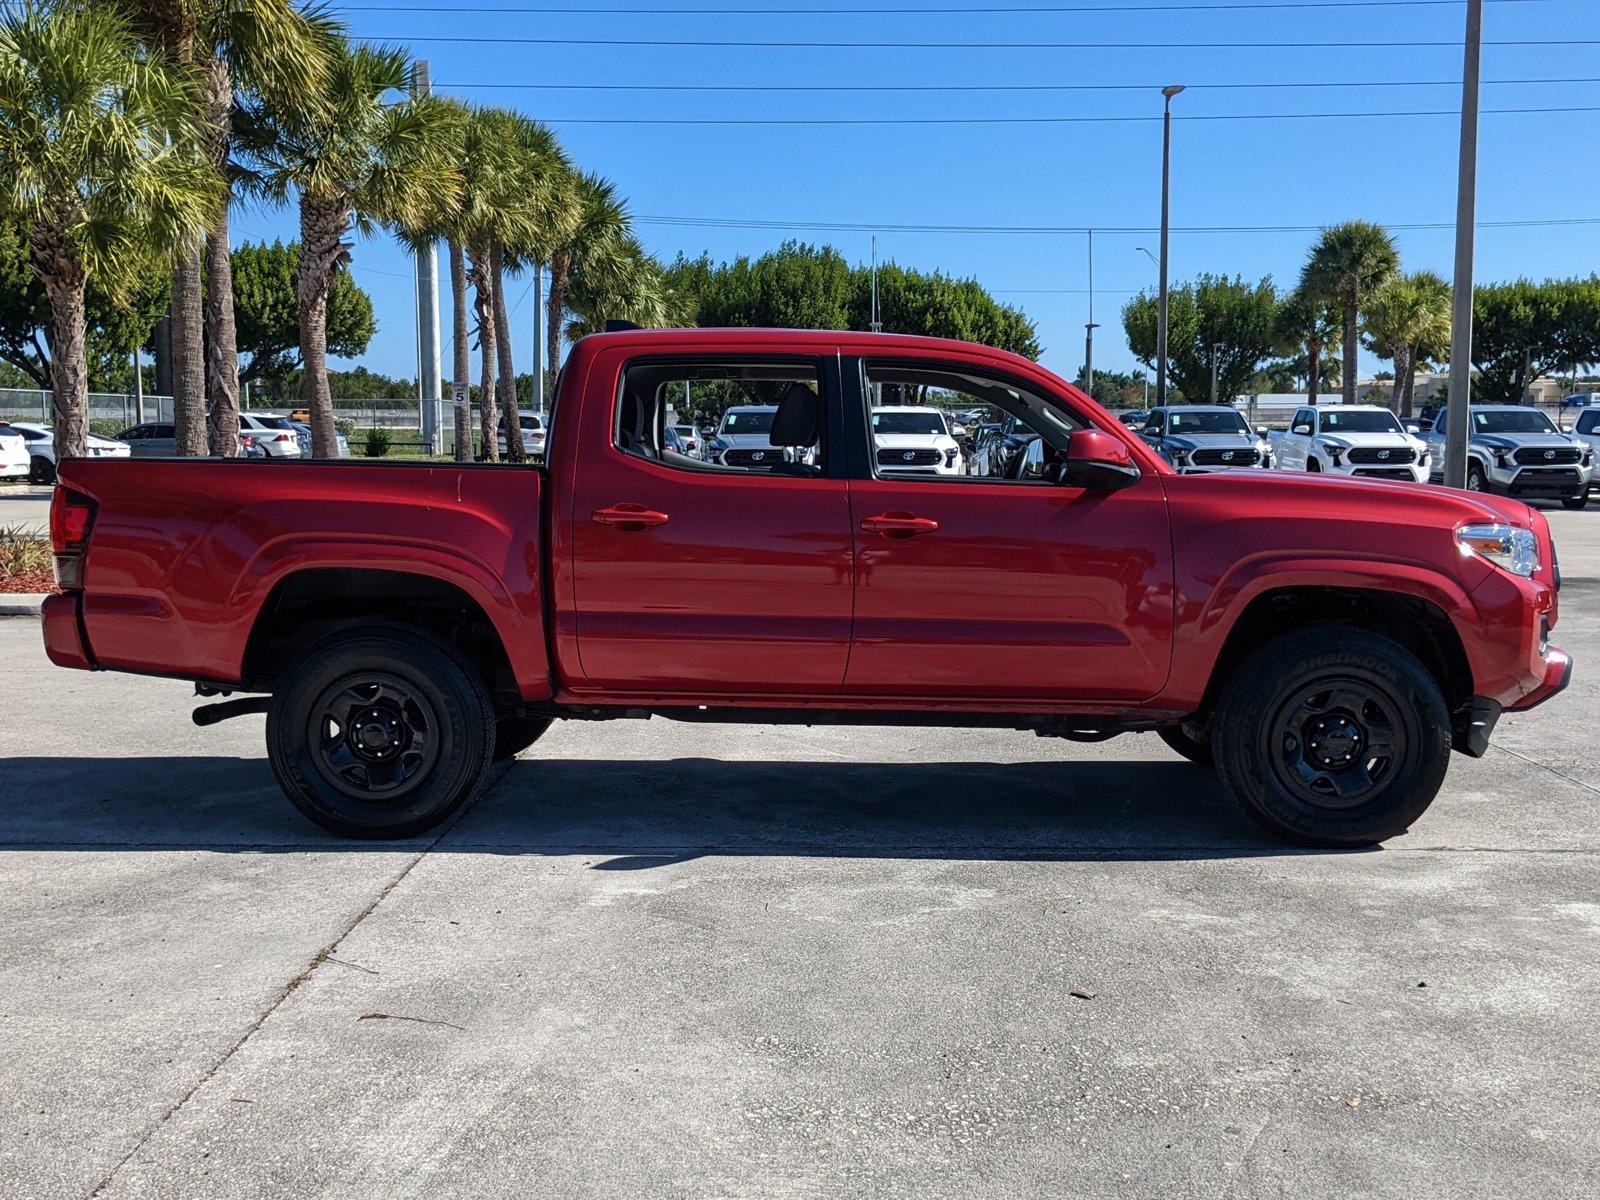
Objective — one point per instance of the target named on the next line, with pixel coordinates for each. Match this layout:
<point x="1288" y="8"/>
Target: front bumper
<point x="1404" y="472"/>
<point x="1557" y="674"/>
<point x="1537" y="483"/>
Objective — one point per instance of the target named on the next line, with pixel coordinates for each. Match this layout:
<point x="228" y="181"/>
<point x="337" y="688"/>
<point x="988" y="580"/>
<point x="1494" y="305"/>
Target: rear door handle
<point x="898" y="524"/>
<point x="629" y="517"/>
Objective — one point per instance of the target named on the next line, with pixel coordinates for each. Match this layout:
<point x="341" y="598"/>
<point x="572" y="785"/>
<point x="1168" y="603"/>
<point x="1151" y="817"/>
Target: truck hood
<point x="743" y="441"/>
<point x="1523" y="441"/>
<point x="1410" y="503"/>
<point x="913" y="441"/>
<point x="1391" y="440"/>
<point x="1212" y="441"/>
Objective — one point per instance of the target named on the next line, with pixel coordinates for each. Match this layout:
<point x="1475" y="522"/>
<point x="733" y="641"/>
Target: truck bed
<point x="187" y="552"/>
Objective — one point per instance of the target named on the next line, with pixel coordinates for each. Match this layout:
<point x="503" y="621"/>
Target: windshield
<point x="1363" y="421"/>
<point x="748" y="420"/>
<point x="531" y="423"/>
<point x="275" y="423"/>
<point x="1222" y="421"/>
<point x="1525" y="420"/>
<point x="908" y="422"/>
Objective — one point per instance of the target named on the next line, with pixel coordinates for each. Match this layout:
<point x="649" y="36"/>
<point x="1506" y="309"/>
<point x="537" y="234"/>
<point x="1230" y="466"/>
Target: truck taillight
<point x="71" y="515"/>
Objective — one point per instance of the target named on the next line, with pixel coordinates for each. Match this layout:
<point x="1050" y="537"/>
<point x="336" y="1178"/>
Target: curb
<point x="21" y="604"/>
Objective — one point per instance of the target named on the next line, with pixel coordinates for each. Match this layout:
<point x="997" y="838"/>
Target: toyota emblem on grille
<point x="1383" y="454"/>
<point x="909" y="455"/>
<point x="1549" y="453"/>
<point x="758" y="456"/>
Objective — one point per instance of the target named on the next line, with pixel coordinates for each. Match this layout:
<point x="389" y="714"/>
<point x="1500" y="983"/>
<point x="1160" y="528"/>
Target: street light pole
<point x="1089" y="328"/>
<point x="1166" y="219"/>
<point x="1215" y="346"/>
<point x="1460" y="394"/>
<point x="430" y="380"/>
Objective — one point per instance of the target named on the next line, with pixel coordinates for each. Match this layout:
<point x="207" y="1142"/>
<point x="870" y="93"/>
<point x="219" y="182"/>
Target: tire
<point x="1297" y="726"/>
<point x="428" y="724"/>
<point x="1476" y="480"/>
<point x="41" y="470"/>
<point x="1576" y="503"/>
<point x="1196" y="749"/>
<point x="513" y="735"/>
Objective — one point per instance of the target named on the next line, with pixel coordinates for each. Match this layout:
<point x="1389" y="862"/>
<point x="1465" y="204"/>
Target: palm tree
<point x="1306" y="325"/>
<point x="1347" y="263"/>
<point x="357" y="155"/>
<point x="103" y="166"/>
<point x="274" y="50"/>
<point x="632" y="287"/>
<point x="597" y="237"/>
<point x="1408" y="319"/>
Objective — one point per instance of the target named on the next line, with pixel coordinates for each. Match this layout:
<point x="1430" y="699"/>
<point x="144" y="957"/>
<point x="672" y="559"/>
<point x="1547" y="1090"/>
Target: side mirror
<point x="1305" y="429"/>
<point x="1097" y="460"/>
<point x="958" y="431"/>
<point x="1261" y="431"/>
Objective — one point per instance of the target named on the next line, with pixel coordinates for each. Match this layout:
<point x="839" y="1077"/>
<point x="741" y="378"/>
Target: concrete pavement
<point x="23" y="506"/>
<point x="668" y="960"/>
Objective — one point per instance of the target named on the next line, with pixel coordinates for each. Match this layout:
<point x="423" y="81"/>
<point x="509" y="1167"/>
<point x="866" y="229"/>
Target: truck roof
<point x="851" y="339"/>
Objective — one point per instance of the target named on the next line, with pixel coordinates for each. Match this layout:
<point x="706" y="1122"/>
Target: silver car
<point x="302" y="432"/>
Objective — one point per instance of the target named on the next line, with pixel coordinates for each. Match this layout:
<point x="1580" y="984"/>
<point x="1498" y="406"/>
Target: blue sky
<point x="1533" y="166"/>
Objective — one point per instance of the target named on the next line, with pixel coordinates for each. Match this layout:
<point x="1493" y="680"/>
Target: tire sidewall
<point x="424" y="663"/>
<point x="1241" y="733"/>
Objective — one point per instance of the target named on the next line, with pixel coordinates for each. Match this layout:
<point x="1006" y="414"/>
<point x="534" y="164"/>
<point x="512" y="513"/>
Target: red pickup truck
<point x="1325" y="642"/>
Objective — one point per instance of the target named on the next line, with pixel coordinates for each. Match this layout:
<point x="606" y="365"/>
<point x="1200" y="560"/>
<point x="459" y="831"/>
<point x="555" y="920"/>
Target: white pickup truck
<point x="1350" y="439"/>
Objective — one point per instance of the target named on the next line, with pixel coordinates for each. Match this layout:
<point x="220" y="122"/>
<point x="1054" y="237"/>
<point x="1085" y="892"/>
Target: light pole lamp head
<point x="1172" y="90"/>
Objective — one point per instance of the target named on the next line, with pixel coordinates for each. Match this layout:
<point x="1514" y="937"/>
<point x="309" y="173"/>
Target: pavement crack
<point x="1534" y="762"/>
<point x="321" y="956"/>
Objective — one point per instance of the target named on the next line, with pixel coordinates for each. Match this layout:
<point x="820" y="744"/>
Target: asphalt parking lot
<point x="669" y="960"/>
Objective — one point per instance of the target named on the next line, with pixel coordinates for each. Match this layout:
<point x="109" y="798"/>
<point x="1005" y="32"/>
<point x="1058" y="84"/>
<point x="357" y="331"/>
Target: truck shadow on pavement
<point x="639" y="815"/>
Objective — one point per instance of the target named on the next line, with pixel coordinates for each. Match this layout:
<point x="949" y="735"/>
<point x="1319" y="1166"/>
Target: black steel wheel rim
<point x="373" y="736"/>
<point x="1336" y="743"/>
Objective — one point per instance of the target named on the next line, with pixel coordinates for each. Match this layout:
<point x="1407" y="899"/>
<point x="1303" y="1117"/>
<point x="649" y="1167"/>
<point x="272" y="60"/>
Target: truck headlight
<point x="1510" y="549"/>
<point x="950" y="456"/>
<point x="1332" y="452"/>
<point x="1502" y="456"/>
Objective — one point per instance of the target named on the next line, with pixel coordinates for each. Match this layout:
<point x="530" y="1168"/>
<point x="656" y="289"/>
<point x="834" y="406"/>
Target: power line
<point x="1003" y="10"/>
<point x="989" y="87"/>
<point x="1078" y="230"/>
<point x="963" y="45"/>
<point x="1119" y="120"/>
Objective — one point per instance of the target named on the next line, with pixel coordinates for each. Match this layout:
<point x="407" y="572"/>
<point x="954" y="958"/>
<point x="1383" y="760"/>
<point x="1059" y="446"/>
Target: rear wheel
<point x="41" y="470"/>
<point x="513" y="735"/>
<point x="380" y="735"/>
<point x="1190" y="740"/>
<point x="1332" y="736"/>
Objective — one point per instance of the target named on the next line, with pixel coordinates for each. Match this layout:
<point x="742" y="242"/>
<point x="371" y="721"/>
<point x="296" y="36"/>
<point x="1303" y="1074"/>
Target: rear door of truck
<point x="690" y="577"/>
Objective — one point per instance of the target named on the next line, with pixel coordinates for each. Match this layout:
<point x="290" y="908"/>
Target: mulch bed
<point x="40" y="579"/>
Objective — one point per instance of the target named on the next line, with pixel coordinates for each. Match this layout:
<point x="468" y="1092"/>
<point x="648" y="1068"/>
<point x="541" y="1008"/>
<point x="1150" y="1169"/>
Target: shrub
<point x="22" y="553"/>
<point x="377" y="443"/>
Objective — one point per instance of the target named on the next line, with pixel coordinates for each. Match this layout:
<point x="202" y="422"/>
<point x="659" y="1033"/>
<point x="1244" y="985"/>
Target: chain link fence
<point x="115" y="412"/>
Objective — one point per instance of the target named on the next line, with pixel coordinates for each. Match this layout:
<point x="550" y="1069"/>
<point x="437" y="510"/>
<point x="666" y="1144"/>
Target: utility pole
<point x="1166" y="221"/>
<point x="872" y="321"/>
<point x="1214" y="348"/>
<point x="138" y="389"/>
<point x="430" y="380"/>
<point x="1089" y="328"/>
<point x="538" y="342"/>
<point x="1460" y="394"/>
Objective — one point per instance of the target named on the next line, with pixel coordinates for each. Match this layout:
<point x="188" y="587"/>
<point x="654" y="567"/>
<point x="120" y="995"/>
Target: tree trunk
<point x="222" y="339"/>
<point x="508" y="375"/>
<point x="1314" y="367"/>
<point x="161" y="348"/>
<point x="461" y="368"/>
<point x="1402" y="355"/>
<point x="560" y="275"/>
<point x="483" y="305"/>
<point x="323" y="251"/>
<point x="1409" y="399"/>
<point x="188" y="353"/>
<point x="1352" y="347"/>
<point x="69" y="367"/>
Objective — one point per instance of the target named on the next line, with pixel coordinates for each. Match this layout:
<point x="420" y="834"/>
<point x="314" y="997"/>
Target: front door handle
<point x="629" y="517"/>
<point x="899" y="524"/>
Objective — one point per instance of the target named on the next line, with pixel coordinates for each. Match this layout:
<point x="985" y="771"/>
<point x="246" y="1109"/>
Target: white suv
<point x="915" y="441"/>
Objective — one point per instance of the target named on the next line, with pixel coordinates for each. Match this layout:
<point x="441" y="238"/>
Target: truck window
<point x="768" y="414"/>
<point x="907" y="402"/>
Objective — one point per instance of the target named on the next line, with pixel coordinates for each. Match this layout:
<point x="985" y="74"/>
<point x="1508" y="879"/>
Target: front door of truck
<point x="691" y="576"/>
<point x="1015" y="588"/>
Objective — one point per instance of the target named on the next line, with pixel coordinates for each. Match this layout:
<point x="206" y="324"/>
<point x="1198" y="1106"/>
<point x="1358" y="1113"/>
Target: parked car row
<point x="28" y="450"/>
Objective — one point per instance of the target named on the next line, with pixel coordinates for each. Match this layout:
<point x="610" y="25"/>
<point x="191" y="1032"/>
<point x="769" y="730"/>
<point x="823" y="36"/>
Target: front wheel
<point x="1575" y="503"/>
<point x="1476" y="480"/>
<point x="380" y="735"/>
<point x="1332" y="737"/>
